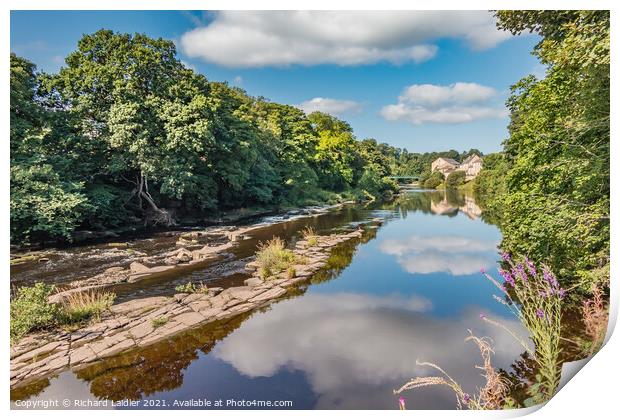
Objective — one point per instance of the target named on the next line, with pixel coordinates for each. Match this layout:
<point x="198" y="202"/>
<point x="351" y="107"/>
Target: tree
<point x="455" y="179"/>
<point x="435" y="179"/>
<point x="556" y="207"/>
<point x="44" y="200"/>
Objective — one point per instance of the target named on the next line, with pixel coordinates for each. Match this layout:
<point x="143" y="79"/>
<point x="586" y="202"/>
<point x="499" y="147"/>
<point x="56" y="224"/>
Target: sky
<point x="424" y="81"/>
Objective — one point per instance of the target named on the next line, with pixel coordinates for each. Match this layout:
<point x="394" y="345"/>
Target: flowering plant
<point x="534" y="295"/>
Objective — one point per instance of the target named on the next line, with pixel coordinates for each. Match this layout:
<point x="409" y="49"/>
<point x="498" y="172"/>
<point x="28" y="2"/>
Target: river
<point x="409" y="290"/>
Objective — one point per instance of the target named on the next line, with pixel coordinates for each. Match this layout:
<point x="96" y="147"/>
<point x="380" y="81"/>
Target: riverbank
<point x="140" y="322"/>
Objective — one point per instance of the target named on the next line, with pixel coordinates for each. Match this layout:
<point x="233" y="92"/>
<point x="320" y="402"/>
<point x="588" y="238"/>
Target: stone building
<point x="472" y="166"/>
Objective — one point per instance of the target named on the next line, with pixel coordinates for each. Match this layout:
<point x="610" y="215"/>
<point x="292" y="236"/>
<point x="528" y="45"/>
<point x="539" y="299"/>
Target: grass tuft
<point x="159" y="321"/>
<point x="273" y="258"/>
<point x="310" y="236"/>
<point x="85" y="306"/>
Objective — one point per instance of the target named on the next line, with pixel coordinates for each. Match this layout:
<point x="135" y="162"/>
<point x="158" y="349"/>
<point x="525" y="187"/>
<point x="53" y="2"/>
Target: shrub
<point x="190" y="287"/>
<point x="273" y="257"/>
<point x="434" y="180"/>
<point x="186" y="288"/>
<point x="31" y="311"/>
<point x="80" y="307"/>
<point x="376" y="185"/>
<point x="455" y="179"/>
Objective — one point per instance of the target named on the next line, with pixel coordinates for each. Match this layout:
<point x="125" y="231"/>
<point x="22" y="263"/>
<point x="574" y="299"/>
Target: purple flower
<point x="505" y="256"/>
<point x="401" y="403"/>
<point x="561" y="293"/>
<point x="530" y="266"/>
<point x="519" y="272"/>
<point x="540" y="313"/>
<point x="508" y="277"/>
<point x="482" y="270"/>
<point x="550" y="278"/>
<point x="466" y="398"/>
<point x="482" y="316"/>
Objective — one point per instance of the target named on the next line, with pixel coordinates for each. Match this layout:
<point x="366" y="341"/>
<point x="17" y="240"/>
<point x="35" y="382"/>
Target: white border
<point x="591" y="395"/>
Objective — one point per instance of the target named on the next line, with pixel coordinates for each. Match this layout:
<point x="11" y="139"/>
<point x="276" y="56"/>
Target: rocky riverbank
<point x="191" y="248"/>
<point x="141" y="322"/>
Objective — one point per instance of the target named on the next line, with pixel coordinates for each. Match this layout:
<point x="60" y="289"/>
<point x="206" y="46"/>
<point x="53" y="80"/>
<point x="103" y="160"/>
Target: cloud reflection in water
<point x="355" y="349"/>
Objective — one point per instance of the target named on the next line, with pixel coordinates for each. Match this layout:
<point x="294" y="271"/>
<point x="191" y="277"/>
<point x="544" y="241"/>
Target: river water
<point x="409" y="290"/>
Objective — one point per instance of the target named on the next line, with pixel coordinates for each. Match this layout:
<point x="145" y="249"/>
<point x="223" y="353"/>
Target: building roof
<point x="448" y="160"/>
<point x="471" y="158"/>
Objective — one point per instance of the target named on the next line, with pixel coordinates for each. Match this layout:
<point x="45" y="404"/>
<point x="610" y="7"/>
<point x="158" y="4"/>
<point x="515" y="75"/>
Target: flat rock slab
<point x="144" y="321"/>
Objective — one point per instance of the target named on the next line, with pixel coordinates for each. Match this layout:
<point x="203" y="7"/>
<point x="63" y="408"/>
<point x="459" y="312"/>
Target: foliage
<point x="31" y="311"/>
<point x="125" y="133"/>
<point x="273" y="258"/>
<point x="85" y="306"/>
<point x="434" y="180"/>
<point x="555" y="194"/>
<point x="455" y="179"/>
<point x="190" y="287"/>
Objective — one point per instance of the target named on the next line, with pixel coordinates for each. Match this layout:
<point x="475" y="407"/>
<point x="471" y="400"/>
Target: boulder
<point x="137" y="268"/>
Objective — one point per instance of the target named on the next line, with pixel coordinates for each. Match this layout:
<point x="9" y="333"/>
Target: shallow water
<point x="408" y="291"/>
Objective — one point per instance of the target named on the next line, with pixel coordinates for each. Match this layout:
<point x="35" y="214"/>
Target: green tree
<point x="556" y="208"/>
<point x="434" y="180"/>
<point x="455" y="179"/>
<point x="44" y="202"/>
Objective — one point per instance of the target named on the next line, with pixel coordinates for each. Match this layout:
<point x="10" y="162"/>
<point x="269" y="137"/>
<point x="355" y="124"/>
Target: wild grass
<point x="159" y="321"/>
<point x="190" y="287"/>
<point x="534" y="295"/>
<point x="492" y="396"/>
<point x="273" y="258"/>
<point x="30" y="309"/>
<point x="310" y="236"/>
<point x="595" y="319"/>
<point x="85" y="306"/>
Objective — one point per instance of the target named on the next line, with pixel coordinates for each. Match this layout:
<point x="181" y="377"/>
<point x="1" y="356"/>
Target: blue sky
<point x="457" y="67"/>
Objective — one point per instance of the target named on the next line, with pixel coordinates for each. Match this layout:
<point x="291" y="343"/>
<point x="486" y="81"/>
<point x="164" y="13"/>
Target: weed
<point x="159" y="321"/>
<point x="84" y="306"/>
<point x="273" y="257"/>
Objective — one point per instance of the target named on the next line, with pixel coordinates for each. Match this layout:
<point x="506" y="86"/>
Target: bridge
<point x="405" y="178"/>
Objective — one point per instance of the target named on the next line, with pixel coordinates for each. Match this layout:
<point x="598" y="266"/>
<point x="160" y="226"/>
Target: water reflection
<point x="409" y="290"/>
<point x="353" y="349"/>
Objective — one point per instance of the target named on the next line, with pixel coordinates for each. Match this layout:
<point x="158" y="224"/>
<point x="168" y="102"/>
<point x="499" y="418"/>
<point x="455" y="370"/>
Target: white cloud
<point x="447" y="243"/>
<point x="434" y="95"/>
<point x="280" y="38"/>
<point x="437" y="262"/>
<point x="451" y="104"/>
<point x="327" y="338"/>
<point x="330" y="106"/>
<point x="457" y="255"/>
